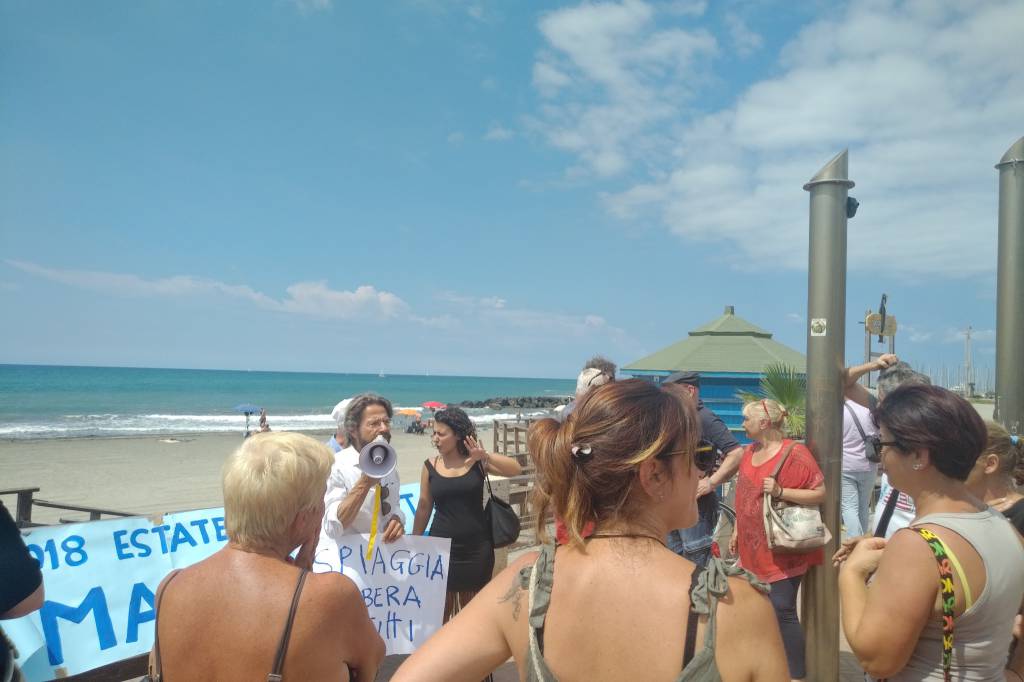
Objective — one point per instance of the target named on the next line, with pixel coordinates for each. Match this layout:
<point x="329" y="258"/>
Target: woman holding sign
<point x="249" y="609"/>
<point x="452" y="486"/>
<point x="617" y="604"/>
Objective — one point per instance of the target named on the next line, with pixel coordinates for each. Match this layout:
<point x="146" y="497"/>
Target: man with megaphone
<point x="363" y="488"/>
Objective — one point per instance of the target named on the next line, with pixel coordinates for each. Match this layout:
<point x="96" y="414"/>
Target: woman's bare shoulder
<point x="743" y="606"/>
<point x="332" y="592"/>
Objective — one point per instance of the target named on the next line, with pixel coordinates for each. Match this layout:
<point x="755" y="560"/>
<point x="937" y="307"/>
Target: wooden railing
<point x="510" y="439"/>
<point x="26" y="500"/>
<point x="23" y="507"/>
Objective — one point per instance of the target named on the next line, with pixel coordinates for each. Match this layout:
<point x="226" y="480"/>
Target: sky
<point x="489" y="188"/>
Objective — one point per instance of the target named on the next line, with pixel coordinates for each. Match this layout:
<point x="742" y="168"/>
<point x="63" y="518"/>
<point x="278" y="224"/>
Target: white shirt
<point x="902" y="514"/>
<point x="344" y="476"/>
<point x="853" y="445"/>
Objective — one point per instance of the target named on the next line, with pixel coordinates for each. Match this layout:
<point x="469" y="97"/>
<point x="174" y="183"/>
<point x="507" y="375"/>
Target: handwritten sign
<point x="403" y="583"/>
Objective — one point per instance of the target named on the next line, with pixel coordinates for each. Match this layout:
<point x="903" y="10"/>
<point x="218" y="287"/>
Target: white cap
<point x="338" y="413"/>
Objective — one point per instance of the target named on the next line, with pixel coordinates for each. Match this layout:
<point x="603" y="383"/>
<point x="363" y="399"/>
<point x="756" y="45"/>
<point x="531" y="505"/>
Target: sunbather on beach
<point x="226" y="617"/>
<point x="615" y="605"/>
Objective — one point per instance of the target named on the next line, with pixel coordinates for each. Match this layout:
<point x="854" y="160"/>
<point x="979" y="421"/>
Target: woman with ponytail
<point x="800" y="481"/>
<point x="992" y="478"/>
<point x="616" y="604"/>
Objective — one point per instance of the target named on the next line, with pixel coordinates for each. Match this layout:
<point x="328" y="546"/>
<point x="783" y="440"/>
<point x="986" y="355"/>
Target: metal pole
<point x="826" y="341"/>
<point x="1010" y="291"/>
<point x="866" y="379"/>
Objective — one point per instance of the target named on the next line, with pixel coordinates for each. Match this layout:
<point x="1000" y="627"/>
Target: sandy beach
<point x="143" y="475"/>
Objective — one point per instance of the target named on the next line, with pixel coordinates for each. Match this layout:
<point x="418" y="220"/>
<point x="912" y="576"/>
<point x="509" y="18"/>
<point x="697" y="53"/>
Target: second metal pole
<point x="1010" y="294"/>
<point x="826" y="346"/>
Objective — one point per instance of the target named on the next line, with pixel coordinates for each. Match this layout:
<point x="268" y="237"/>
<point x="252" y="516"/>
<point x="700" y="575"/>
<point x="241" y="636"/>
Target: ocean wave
<point x="100" y="425"/>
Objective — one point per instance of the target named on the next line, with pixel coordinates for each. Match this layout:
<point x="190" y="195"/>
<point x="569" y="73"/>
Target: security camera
<point x="851" y="207"/>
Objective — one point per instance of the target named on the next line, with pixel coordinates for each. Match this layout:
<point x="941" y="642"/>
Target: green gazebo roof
<point x="728" y="344"/>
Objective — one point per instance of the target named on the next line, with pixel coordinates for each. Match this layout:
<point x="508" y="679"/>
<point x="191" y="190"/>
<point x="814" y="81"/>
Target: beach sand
<point x="143" y="475"/>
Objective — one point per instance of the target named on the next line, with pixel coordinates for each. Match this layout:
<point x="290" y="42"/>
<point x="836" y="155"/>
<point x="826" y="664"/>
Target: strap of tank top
<point x="282" y="648"/>
<point x="691" y="621"/>
<point x="156" y="669"/>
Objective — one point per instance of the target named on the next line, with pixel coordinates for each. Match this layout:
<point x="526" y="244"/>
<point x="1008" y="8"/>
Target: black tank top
<point x="458" y="505"/>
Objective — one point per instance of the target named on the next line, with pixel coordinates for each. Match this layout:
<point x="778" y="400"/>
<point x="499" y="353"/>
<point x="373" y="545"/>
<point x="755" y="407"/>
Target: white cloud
<point x="952" y="335"/>
<point x="456" y="138"/>
<point x="744" y="41"/>
<point x="312" y="299"/>
<point x="495" y="312"/>
<point x="498" y="132"/>
<point x="609" y="74"/>
<point x="926" y="96"/>
<point x="549" y="79"/>
<point x="915" y="334"/>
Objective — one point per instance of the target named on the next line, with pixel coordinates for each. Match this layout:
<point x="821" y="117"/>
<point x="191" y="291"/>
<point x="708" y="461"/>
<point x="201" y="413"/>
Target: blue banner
<point x="100" y="579"/>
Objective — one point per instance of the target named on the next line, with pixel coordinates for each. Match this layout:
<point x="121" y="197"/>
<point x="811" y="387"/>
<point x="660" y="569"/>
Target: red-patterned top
<point x="799" y="471"/>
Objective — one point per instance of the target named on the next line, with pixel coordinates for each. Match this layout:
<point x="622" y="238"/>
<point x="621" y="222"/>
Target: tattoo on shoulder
<point x="514" y="595"/>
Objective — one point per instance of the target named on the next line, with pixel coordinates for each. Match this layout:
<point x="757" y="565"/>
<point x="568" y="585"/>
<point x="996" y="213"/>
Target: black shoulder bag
<point x="872" y="449"/>
<point x="503" y="520"/>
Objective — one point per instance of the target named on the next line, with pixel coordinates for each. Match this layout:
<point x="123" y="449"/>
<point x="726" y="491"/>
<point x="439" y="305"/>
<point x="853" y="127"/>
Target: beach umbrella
<point x="434" y="405"/>
<point x="248" y="409"/>
<point x="408" y="411"/>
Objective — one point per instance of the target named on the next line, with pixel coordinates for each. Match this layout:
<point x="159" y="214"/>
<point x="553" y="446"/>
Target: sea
<point x="47" y="401"/>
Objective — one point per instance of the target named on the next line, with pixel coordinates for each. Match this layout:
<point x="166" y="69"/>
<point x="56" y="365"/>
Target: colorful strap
<point x="947" y="594"/>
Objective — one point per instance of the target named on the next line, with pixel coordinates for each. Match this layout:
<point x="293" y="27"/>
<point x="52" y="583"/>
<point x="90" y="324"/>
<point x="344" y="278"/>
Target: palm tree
<point x="787" y="387"/>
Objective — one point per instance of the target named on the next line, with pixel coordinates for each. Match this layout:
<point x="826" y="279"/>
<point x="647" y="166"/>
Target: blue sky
<point x="487" y="188"/>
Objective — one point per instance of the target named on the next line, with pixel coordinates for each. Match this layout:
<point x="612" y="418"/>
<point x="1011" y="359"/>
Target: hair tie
<point x="581" y="451"/>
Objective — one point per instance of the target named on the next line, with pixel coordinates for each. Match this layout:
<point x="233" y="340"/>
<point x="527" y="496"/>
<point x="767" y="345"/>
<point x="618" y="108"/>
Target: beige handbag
<point x="792" y="528"/>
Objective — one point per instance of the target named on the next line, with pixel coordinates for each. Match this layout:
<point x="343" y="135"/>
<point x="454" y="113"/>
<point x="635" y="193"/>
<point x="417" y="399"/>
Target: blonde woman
<point x="249" y="610"/>
<point x="615" y="605"/>
<point x="991" y="479"/>
<point x="800" y="480"/>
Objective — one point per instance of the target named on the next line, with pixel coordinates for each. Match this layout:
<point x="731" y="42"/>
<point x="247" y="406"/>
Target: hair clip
<point x="581" y="451"/>
<point x="1014" y="440"/>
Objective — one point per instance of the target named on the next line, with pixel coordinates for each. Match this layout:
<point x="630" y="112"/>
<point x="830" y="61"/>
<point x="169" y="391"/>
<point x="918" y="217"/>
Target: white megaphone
<point x="377" y="459"/>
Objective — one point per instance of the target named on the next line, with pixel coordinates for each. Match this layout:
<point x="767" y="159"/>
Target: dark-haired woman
<point x="959" y="562"/>
<point x="615" y="605"/>
<point x="452" y="486"/>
